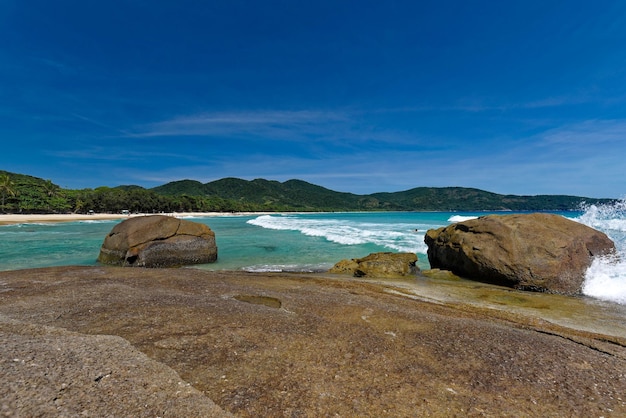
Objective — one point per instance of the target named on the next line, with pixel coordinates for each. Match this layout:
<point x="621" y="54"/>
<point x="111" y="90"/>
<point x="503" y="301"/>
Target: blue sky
<point x="514" y="97"/>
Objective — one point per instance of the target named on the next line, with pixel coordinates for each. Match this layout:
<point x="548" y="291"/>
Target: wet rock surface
<point x="287" y="345"/>
<point x="540" y="251"/>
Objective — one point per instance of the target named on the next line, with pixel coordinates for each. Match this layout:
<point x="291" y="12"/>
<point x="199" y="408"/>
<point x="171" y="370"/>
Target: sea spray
<point x="606" y="277"/>
<point x="460" y="218"/>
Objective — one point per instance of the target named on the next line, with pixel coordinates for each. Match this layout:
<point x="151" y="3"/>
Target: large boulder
<point x="158" y="241"/>
<point x="379" y="265"/>
<point x="541" y="252"/>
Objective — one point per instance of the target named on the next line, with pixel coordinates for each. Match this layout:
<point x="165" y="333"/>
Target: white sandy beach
<point x="18" y="219"/>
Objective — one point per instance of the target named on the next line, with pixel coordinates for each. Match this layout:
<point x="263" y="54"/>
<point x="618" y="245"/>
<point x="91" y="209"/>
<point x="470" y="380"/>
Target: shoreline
<point x="12" y="219"/>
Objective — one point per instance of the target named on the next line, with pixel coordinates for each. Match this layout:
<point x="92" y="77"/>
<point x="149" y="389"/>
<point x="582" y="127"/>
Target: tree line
<point x="31" y="195"/>
<point x="26" y="194"/>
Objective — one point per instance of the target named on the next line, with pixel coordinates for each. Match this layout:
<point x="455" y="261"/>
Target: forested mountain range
<point x="21" y="193"/>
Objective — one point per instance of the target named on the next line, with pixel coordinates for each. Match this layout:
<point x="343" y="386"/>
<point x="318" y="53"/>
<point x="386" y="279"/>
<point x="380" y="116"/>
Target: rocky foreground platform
<point x="107" y="341"/>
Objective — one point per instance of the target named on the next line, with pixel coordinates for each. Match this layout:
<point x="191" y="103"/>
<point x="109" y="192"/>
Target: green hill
<point x="291" y="195"/>
<point x="26" y="194"/>
<point x="180" y="187"/>
<point x="468" y="199"/>
<point x="300" y="195"/>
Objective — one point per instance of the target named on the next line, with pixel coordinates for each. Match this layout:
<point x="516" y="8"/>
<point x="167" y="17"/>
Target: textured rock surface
<point x="158" y="241"/>
<point x="274" y="345"/>
<point x="542" y="252"/>
<point x="48" y="371"/>
<point x="378" y="265"/>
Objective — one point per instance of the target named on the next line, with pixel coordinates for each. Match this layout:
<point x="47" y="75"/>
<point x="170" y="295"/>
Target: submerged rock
<point x="158" y="241"/>
<point x="384" y="264"/>
<point x="542" y="252"/>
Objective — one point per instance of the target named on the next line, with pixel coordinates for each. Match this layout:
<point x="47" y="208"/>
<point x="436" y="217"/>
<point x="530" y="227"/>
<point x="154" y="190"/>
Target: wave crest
<point x="396" y="237"/>
<point x="461" y="218"/>
<point x="606" y="277"/>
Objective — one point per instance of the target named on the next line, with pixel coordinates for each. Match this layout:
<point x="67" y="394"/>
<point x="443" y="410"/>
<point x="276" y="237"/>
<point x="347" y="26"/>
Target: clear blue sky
<point x="520" y="97"/>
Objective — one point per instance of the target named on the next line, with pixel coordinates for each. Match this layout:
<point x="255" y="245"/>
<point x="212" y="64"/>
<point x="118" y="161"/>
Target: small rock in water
<point x="379" y="265"/>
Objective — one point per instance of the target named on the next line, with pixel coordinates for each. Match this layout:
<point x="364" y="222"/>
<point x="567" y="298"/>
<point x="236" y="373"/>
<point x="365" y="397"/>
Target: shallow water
<point x="308" y="242"/>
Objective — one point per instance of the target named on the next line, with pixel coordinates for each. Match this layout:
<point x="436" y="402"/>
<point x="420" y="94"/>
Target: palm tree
<point x="6" y="187"/>
<point x="78" y="205"/>
<point x="51" y="190"/>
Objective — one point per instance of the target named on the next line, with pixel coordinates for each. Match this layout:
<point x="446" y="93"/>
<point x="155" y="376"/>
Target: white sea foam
<point x="460" y="218"/>
<point x="397" y="237"/>
<point x="97" y="221"/>
<point x="606" y="277"/>
<point x="50" y="224"/>
<point x="606" y="217"/>
<point x="279" y="268"/>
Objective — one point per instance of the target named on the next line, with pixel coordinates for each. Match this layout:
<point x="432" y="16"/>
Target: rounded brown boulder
<point x="539" y="251"/>
<point x="158" y="241"/>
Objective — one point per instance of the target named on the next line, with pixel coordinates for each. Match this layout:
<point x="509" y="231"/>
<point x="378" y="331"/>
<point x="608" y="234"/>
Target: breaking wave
<point x="460" y="218"/>
<point x="606" y="277"/>
<point x="400" y="237"/>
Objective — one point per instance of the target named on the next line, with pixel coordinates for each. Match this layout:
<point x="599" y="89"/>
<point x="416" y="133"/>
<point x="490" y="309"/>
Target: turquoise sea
<point x="304" y="242"/>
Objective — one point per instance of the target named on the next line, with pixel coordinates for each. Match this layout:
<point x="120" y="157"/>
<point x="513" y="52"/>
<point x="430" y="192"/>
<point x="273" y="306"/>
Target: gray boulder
<point x="541" y="252"/>
<point x="379" y="265"/>
<point x="158" y="241"/>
